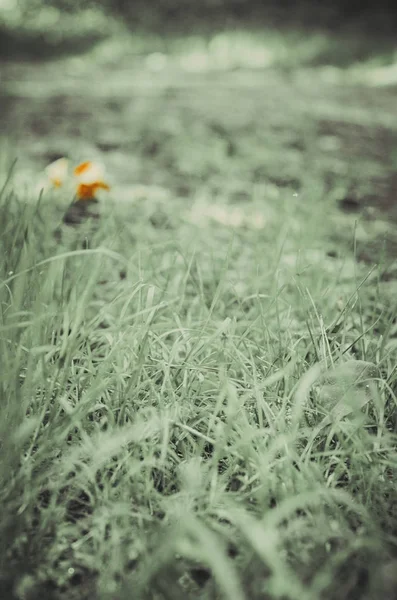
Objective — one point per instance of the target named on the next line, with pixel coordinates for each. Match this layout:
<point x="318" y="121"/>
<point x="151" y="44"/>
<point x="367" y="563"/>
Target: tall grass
<point x="192" y="412"/>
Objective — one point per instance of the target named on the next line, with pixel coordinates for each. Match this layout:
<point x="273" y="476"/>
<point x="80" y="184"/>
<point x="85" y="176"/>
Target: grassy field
<point x="198" y="389"/>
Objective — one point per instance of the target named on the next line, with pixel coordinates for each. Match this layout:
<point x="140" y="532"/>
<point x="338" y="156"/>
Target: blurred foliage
<point x="38" y="28"/>
<point x="334" y="14"/>
<point x="374" y="15"/>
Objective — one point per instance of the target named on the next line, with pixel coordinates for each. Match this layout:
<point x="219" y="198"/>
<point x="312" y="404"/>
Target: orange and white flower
<point x="87" y="178"/>
<point x="90" y="178"/>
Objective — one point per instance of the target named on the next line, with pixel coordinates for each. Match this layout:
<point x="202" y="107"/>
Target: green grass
<point x="194" y="410"/>
<point x="202" y="403"/>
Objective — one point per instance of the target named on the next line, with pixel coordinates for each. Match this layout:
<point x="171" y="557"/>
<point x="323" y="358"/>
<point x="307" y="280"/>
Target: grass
<point x="253" y="47"/>
<point x="194" y="410"/>
<point x="199" y="389"/>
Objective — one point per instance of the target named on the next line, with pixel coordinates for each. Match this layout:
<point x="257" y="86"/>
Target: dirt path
<point x="159" y="123"/>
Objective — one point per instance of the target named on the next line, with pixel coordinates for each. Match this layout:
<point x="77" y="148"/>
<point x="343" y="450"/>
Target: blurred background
<point x="36" y="27"/>
<point x="191" y="95"/>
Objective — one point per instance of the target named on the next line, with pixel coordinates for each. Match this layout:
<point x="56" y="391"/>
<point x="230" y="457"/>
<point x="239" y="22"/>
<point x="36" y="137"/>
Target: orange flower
<point x="86" y="191"/>
<point x="82" y="168"/>
<point x="90" y="178"/>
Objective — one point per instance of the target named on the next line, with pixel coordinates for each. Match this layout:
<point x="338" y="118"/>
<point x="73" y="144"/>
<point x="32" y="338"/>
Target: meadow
<point x="198" y="388"/>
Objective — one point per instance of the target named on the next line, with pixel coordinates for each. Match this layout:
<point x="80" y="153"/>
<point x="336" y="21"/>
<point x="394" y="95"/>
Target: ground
<point x="248" y="237"/>
<point x="191" y="121"/>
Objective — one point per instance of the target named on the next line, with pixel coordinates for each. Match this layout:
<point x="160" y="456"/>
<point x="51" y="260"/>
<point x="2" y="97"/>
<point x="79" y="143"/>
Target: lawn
<point x="199" y="387"/>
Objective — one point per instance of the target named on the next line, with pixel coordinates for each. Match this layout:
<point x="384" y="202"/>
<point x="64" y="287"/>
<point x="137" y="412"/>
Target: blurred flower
<point x="57" y="172"/>
<point x="90" y="178"/>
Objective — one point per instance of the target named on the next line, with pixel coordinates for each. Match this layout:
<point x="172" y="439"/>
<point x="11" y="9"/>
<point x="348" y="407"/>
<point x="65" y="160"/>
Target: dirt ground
<point x="184" y="127"/>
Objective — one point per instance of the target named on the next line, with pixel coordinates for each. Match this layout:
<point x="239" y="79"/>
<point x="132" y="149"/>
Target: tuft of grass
<point x="193" y="411"/>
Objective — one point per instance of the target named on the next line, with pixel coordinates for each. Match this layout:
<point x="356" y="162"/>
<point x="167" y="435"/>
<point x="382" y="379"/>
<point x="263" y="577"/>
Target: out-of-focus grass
<point x="257" y="47"/>
<point x="194" y="411"/>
